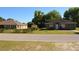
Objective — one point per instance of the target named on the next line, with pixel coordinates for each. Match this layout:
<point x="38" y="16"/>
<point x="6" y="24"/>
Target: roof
<point x="7" y="22"/>
<point x="19" y="23"/>
<point x="1" y="22"/>
<point x="61" y="21"/>
<point x="11" y="22"/>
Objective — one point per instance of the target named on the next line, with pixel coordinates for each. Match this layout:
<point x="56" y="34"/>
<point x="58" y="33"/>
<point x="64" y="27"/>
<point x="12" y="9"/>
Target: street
<point x="40" y="37"/>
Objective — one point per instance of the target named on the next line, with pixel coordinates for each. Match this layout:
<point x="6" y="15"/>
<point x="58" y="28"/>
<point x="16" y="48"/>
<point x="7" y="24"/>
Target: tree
<point x="2" y="19"/>
<point x="29" y="24"/>
<point x="40" y="19"/>
<point x="53" y="15"/>
<point x="10" y="19"/>
<point x="72" y="14"/>
<point x="38" y="15"/>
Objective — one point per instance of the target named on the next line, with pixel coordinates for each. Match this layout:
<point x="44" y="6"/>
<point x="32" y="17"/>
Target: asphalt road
<point x="40" y="37"/>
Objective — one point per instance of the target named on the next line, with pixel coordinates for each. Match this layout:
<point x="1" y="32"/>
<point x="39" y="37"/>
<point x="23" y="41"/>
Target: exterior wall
<point x="70" y="26"/>
<point x="50" y="26"/>
<point x="61" y="26"/>
<point x="13" y="26"/>
<point x="7" y="26"/>
<point x="21" y="26"/>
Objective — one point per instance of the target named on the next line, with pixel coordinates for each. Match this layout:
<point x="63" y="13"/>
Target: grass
<point x="77" y="28"/>
<point x="53" y="32"/>
<point x="43" y="31"/>
<point x="37" y="46"/>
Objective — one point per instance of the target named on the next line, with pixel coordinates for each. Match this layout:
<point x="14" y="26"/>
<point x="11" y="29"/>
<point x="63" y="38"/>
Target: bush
<point x="8" y="30"/>
<point x="22" y="30"/>
<point x="17" y="31"/>
<point x="26" y="30"/>
<point x="1" y="30"/>
<point x="34" y="27"/>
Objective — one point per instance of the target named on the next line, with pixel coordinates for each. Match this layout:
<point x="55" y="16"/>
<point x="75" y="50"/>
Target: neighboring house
<point x="11" y="24"/>
<point x="21" y="25"/>
<point x="61" y="25"/>
<point x="7" y="24"/>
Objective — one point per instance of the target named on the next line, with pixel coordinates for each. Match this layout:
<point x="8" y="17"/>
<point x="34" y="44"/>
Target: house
<point x="20" y="25"/>
<point x="11" y="24"/>
<point x="60" y="24"/>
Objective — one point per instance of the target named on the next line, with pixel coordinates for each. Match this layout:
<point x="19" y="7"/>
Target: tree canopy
<point x="2" y="19"/>
<point x="38" y="15"/>
<point x="40" y="18"/>
<point x="72" y="14"/>
<point x="10" y="19"/>
<point x="53" y="15"/>
<point x="29" y="24"/>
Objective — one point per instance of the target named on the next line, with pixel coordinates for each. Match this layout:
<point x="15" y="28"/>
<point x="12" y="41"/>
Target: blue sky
<point x="25" y="14"/>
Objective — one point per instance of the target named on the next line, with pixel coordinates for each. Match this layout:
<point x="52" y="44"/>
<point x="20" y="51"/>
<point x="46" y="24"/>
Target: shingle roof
<point x="19" y="23"/>
<point x="1" y="22"/>
<point x="11" y="22"/>
<point x="61" y="21"/>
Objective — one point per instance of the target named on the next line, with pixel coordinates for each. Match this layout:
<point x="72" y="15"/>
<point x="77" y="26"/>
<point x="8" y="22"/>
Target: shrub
<point x="22" y="30"/>
<point x="1" y="30"/>
<point x="8" y="30"/>
<point x="25" y="30"/>
<point x="17" y="31"/>
<point x="34" y="27"/>
<point x="29" y="30"/>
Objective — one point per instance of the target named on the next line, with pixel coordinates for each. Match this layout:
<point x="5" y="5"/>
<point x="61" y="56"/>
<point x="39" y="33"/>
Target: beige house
<point x="21" y="25"/>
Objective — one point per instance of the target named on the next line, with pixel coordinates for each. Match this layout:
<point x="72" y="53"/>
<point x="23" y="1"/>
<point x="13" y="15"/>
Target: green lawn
<point x="53" y="32"/>
<point x="44" y="31"/>
<point x="37" y="46"/>
<point x="77" y="28"/>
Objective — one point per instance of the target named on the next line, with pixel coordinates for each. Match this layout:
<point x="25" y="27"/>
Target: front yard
<point x="53" y="32"/>
<point x="37" y="46"/>
<point x="29" y="31"/>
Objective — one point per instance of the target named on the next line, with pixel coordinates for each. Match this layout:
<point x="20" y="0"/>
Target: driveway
<point x="40" y="37"/>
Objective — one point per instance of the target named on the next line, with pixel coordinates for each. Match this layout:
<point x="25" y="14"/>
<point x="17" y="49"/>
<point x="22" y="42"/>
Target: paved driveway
<point x="40" y="37"/>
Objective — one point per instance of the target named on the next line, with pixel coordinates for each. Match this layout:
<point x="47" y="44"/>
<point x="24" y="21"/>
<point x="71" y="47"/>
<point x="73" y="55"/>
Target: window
<point x="63" y="25"/>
